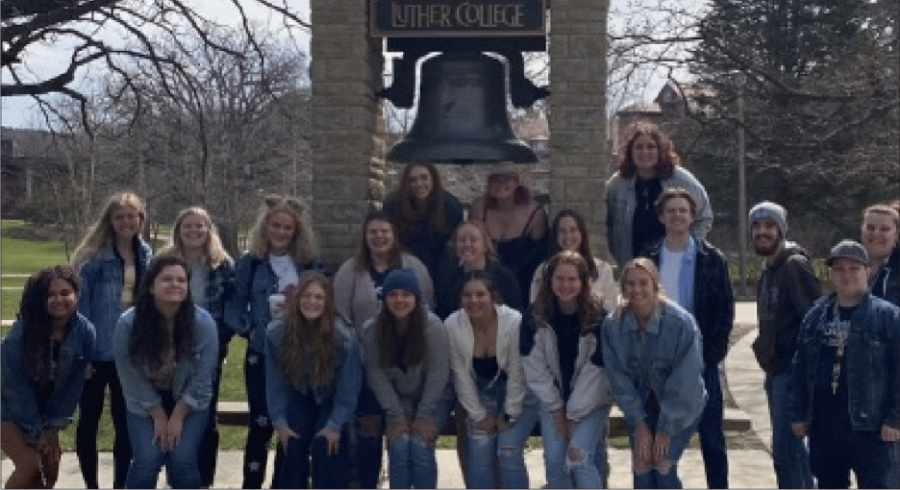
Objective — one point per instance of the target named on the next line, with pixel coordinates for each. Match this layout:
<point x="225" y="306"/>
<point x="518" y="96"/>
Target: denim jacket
<point x="247" y="310"/>
<point x="340" y="395"/>
<point x="672" y="366"/>
<point x="872" y="363"/>
<point x="19" y="397"/>
<point x="100" y="299"/>
<point x="193" y="377"/>
<point x="219" y="288"/>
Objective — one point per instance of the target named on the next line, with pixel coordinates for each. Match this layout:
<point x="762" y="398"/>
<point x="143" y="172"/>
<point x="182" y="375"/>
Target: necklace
<point x="839" y="332"/>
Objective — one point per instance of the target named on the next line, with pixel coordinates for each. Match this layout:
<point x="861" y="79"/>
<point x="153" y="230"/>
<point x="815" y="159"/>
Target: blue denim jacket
<point x="672" y="366"/>
<point x="100" y="298"/>
<point x="247" y="310"/>
<point x="341" y="394"/>
<point x="193" y="377"/>
<point x="19" y="398"/>
<point x="872" y="363"/>
<point x="219" y="289"/>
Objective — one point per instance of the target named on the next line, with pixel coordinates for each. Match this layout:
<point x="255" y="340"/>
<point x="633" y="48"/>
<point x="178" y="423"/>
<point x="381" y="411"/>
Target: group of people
<point x="503" y="320"/>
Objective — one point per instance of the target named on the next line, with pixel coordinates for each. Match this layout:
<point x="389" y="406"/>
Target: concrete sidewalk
<point x="749" y="468"/>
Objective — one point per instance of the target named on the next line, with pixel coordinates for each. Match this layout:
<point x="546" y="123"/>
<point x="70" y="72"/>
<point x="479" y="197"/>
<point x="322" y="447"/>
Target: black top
<point x="830" y="411"/>
<point x="646" y="229"/>
<point x="47" y="382"/>
<point x="567" y="329"/>
<point x="485" y="367"/>
<point x="420" y="238"/>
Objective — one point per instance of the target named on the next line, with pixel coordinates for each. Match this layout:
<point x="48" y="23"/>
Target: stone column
<point x="577" y="116"/>
<point x="347" y="125"/>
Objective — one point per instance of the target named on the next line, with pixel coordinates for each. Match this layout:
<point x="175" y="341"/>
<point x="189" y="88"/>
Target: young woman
<point x="425" y="212"/>
<point x="881" y="237"/>
<point x="569" y="232"/>
<point x="473" y="250"/>
<point x="281" y="247"/>
<point x="648" y="165"/>
<point x="559" y="343"/>
<point x="489" y="381"/>
<point x="408" y="368"/>
<point x="515" y="221"/>
<point x="195" y="239"/>
<point x="111" y="261"/>
<point x="44" y="357"/>
<point x="356" y="285"/>
<point x="166" y="351"/>
<point x="313" y="376"/>
<point x="651" y="347"/>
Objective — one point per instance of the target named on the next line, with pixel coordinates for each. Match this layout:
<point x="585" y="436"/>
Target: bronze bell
<point x="462" y="115"/>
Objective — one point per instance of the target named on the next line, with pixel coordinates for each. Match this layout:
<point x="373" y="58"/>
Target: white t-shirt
<point x="283" y="265"/>
<point x="669" y="270"/>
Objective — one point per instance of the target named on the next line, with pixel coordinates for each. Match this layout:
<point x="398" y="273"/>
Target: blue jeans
<point x="660" y="477"/>
<point x="712" y="437"/>
<point x="563" y="471"/>
<point x="411" y="460"/>
<point x="834" y="452"/>
<point x="894" y="468"/>
<point x="789" y="454"/>
<point x="506" y="448"/>
<point x="181" y="461"/>
<point x="306" y="419"/>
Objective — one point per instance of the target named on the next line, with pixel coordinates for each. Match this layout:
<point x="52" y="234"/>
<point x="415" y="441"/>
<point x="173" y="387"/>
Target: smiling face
<point x="640" y="289"/>
<point x="420" y="182"/>
<point x="502" y="186"/>
<point x="477" y="300"/>
<point x="312" y="301"/>
<point x="568" y="236"/>
<point x="566" y="285"/>
<point x="766" y="237"/>
<point x="126" y="222"/>
<point x="171" y="285"/>
<point x="62" y="300"/>
<point x="194" y="232"/>
<point x="849" y="277"/>
<point x="400" y="303"/>
<point x="677" y="216"/>
<point x="280" y="230"/>
<point x="644" y="153"/>
<point x="380" y="237"/>
<point x="470" y="246"/>
<point x="879" y="234"/>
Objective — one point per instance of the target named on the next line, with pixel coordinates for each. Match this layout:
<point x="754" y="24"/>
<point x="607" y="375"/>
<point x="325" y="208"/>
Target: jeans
<point x="894" y="468"/>
<point x="366" y="443"/>
<point x="411" y="460"/>
<point x="90" y="408"/>
<point x="306" y="419"/>
<point x="712" y="437"/>
<point x="563" y="471"/>
<point x="256" y="451"/>
<point x="789" y="454"/>
<point x="181" y="461"/>
<point x="834" y="452"/>
<point x="662" y="477"/>
<point x="507" y="448"/>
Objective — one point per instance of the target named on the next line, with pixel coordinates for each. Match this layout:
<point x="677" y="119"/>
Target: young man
<point x="846" y="397"/>
<point x="786" y="290"/>
<point x="695" y="275"/>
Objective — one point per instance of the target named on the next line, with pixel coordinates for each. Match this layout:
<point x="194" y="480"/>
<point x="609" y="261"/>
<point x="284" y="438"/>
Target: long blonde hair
<point x="101" y="233"/>
<point x="303" y="246"/>
<point x="214" y="252"/>
<point x="308" y="349"/>
<point x="650" y="268"/>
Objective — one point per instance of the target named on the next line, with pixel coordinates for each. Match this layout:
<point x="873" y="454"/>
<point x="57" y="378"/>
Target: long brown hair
<point x="584" y="248"/>
<point x="363" y="262"/>
<point x="407" y="349"/>
<point x="411" y="211"/>
<point x="668" y="157"/>
<point x="308" y="349"/>
<point x="36" y="320"/>
<point x="589" y="309"/>
<point x="148" y="337"/>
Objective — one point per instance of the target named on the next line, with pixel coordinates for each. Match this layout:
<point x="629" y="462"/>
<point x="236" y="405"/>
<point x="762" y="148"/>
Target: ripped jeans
<point x="655" y="477"/>
<point x="563" y="470"/>
<point x="507" y="448"/>
<point x="411" y="460"/>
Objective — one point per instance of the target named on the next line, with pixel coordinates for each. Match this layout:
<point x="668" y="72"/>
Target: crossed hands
<point x="650" y="448"/>
<point x="167" y="430"/>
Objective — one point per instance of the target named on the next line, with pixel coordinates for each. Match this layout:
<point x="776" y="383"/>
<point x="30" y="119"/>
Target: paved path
<point x="749" y="468"/>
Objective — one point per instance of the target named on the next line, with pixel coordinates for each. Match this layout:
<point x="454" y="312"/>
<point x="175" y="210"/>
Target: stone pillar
<point x="577" y="116"/>
<point x="347" y="125"/>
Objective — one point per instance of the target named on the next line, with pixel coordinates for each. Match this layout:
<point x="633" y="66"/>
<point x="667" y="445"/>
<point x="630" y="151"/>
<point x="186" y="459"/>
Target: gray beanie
<point x="772" y="211"/>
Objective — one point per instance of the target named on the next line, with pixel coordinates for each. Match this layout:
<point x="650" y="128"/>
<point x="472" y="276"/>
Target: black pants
<point x="834" y="452"/>
<point x="91" y="407"/>
<point x="209" y="447"/>
<point x="259" y="431"/>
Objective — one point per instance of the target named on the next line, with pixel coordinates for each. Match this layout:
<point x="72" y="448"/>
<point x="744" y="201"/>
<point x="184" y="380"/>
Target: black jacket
<point x="887" y="283"/>
<point x="448" y="283"/>
<point x="785" y="292"/>
<point x="419" y="237"/>
<point x="713" y="298"/>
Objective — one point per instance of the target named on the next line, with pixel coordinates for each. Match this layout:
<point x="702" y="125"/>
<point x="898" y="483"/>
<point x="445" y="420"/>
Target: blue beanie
<point x="401" y="278"/>
<point x="772" y="211"/>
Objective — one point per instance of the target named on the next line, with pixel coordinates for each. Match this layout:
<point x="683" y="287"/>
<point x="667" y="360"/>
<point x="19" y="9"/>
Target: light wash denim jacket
<point x="193" y="377"/>
<point x="247" y="310"/>
<point x="19" y="397"/>
<point x="668" y="361"/>
<point x="100" y="298"/>
<point x="341" y="394"/>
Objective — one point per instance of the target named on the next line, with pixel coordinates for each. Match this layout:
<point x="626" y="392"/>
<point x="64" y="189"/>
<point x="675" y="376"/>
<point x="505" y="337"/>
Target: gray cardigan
<point x="620" y="204"/>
